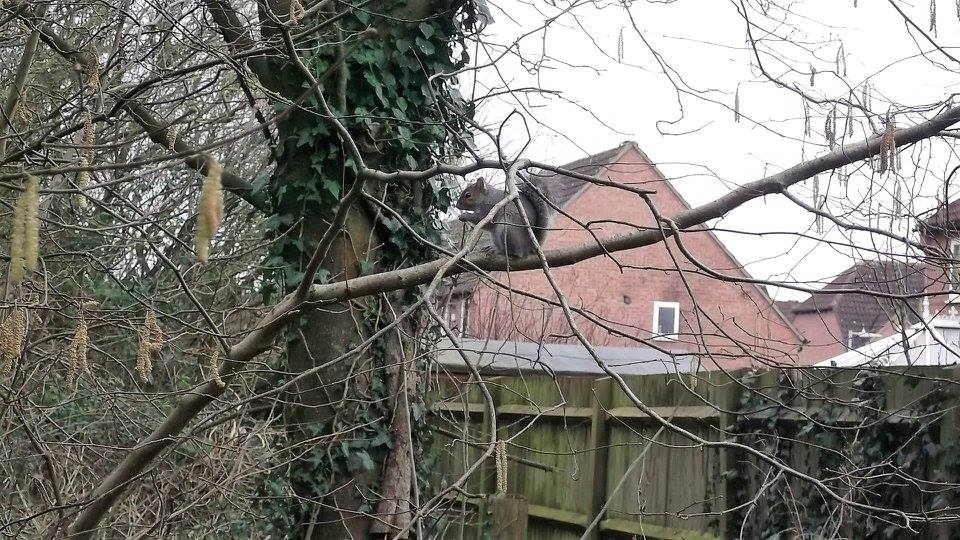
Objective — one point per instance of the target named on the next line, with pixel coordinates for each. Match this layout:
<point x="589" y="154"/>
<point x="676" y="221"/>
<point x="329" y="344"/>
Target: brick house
<point x="940" y="234"/>
<point x="835" y="323"/>
<point x="651" y="296"/>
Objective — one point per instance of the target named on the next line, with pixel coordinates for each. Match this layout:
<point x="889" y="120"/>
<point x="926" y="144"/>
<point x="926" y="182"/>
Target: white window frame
<point x="656" y="320"/>
<point x="954" y="288"/>
<point x="457" y="318"/>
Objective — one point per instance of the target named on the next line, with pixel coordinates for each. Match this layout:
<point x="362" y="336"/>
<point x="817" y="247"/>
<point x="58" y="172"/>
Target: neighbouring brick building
<point x="834" y="322"/>
<point x="652" y="295"/>
<point x="940" y="233"/>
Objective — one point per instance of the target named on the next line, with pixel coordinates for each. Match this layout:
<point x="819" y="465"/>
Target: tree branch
<point x="154" y="127"/>
<point x="237" y="36"/>
<point x="262" y="337"/>
<point x="777" y="183"/>
<point x="157" y="132"/>
<point x="19" y="82"/>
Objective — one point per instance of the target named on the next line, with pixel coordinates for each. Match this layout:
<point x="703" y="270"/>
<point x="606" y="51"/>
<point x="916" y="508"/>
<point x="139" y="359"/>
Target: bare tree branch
<point x="262" y="337"/>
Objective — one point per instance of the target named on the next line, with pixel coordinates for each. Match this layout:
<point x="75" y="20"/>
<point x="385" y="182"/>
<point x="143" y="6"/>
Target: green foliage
<point x="390" y="101"/>
<point x="896" y="462"/>
<point x="391" y="104"/>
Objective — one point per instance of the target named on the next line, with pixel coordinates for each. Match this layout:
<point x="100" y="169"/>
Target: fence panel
<point x="578" y="446"/>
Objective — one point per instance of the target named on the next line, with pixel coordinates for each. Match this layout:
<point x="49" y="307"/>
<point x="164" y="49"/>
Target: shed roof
<point x="934" y="343"/>
<point x="495" y="356"/>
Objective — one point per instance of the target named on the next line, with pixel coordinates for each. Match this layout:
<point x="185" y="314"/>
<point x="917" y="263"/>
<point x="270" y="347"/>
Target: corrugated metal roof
<point x="494" y="356"/>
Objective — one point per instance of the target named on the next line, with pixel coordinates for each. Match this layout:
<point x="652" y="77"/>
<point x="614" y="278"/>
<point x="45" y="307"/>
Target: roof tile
<point x="857" y="311"/>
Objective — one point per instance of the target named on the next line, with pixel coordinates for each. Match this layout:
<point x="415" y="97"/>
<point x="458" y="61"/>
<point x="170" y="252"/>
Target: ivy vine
<point x="854" y="437"/>
<point x="408" y="120"/>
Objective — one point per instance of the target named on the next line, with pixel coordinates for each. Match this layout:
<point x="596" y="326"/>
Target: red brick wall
<point x="619" y="291"/>
<point x="936" y="272"/>
<point x="823" y="333"/>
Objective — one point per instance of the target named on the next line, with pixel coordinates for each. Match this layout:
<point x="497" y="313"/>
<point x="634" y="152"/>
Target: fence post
<point x="726" y="398"/>
<point x="508" y="517"/>
<point x="487" y="468"/>
<point x="949" y="426"/>
<point x="595" y="466"/>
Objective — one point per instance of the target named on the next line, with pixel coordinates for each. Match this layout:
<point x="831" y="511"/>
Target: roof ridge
<point x="597" y="156"/>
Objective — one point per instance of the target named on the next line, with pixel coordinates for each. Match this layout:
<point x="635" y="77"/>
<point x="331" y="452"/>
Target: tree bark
<point x="330" y="397"/>
<point x="396" y="486"/>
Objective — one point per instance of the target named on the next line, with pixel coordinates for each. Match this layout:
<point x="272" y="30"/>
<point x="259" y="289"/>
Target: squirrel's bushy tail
<point x="538" y="193"/>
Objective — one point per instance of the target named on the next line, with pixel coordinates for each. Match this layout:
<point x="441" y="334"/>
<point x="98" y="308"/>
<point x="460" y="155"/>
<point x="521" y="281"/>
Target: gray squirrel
<point x="507" y="229"/>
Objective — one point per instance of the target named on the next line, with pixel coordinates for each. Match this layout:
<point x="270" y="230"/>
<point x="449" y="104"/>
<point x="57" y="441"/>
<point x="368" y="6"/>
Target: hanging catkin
<point x="213" y="365"/>
<point x="25" y="231"/>
<point x="736" y="105"/>
<point x="501" y="461"/>
<point x="209" y="209"/>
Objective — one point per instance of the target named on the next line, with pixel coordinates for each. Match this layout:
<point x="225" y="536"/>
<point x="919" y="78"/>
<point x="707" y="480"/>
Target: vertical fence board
<point x="588" y="431"/>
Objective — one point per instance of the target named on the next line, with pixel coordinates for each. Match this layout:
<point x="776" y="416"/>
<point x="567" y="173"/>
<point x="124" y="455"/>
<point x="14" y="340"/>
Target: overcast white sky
<point x="613" y="89"/>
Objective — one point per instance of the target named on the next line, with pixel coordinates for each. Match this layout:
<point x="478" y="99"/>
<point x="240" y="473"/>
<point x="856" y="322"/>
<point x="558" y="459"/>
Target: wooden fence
<point x="579" y="449"/>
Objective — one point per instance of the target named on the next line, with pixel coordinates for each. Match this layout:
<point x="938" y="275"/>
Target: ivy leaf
<point x="426" y="47"/>
<point x="260" y="183"/>
<point x="360" y="460"/>
<point x="382" y="439"/>
<point x="367" y="267"/>
<point x="293" y="277"/>
<point x="331" y="187"/>
<point x="427" y="30"/>
<point x="377" y="86"/>
<point x="391" y="224"/>
<point x="274" y="222"/>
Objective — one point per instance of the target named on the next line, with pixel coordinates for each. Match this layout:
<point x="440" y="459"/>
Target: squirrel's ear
<point x="481" y="185"/>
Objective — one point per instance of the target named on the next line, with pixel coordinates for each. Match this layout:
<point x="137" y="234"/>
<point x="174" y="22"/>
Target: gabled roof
<point x="857" y="312"/>
<point x="563" y="189"/>
<point x="787" y="307"/>
<point x="944" y="217"/>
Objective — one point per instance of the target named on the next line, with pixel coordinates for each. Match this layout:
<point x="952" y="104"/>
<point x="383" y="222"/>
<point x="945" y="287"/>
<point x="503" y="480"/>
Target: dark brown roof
<point x="943" y="217"/>
<point x="564" y="188"/>
<point x="787" y="307"/>
<point x="857" y="311"/>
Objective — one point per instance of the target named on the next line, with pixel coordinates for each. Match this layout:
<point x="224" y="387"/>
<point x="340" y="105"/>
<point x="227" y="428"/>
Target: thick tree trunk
<point x="332" y="398"/>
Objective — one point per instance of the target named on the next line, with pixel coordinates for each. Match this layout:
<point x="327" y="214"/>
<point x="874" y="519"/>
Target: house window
<point x="666" y="320"/>
<point x="458" y="315"/>
<point x="954" y="271"/>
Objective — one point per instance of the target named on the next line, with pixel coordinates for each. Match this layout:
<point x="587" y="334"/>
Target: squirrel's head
<point x="472" y="195"/>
